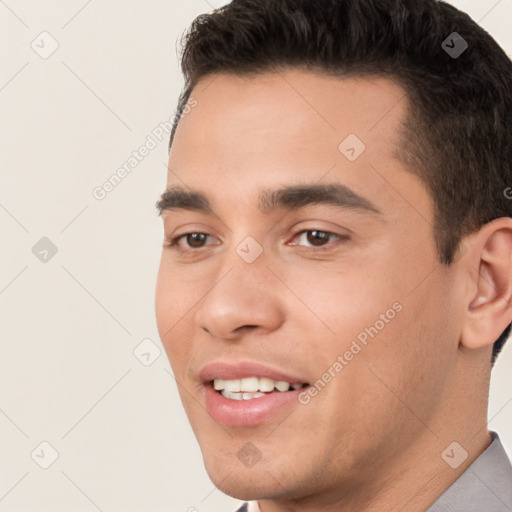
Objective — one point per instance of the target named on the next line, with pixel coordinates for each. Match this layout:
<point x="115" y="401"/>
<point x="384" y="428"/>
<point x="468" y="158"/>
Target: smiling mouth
<point x="249" y="388"/>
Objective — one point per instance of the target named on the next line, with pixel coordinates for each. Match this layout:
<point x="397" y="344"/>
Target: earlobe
<point x="489" y="309"/>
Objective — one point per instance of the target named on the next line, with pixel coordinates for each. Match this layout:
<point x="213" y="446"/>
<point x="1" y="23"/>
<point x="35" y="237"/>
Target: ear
<point x="489" y="307"/>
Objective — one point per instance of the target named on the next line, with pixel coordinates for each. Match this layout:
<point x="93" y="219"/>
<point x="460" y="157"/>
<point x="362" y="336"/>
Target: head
<point x="349" y="180"/>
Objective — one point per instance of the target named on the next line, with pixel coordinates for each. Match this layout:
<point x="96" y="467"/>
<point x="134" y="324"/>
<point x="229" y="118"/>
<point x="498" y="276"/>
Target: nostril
<point x="246" y="327"/>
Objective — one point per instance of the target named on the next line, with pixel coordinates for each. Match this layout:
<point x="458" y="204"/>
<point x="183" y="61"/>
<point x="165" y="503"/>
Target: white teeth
<point x="250" y="396"/>
<point x="218" y="384"/>
<point x="281" y="385"/>
<point x="252" y="387"/>
<point x="250" y="384"/>
<point x="232" y="385"/>
<point x="266" y="384"/>
<point x="241" y="396"/>
<point x="232" y="396"/>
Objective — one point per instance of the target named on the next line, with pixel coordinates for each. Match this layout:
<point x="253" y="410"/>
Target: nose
<point x="246" y="297"/>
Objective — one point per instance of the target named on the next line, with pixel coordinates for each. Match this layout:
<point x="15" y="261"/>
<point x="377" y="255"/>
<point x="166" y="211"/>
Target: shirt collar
<point x="485" y="485"/>
<point x="253" y="507"/>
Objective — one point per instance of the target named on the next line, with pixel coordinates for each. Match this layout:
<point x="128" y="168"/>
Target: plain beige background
<point x="72" y="373"/>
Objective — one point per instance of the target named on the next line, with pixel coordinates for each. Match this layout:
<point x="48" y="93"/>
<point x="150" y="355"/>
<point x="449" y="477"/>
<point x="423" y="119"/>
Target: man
<point x="336" y="277"/>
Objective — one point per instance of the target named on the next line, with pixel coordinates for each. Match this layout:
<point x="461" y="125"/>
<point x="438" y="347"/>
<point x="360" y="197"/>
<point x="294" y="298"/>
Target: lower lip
<point x="244" y="413"/>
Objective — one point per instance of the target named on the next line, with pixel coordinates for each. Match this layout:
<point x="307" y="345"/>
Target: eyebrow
<point x="289" y="198"/>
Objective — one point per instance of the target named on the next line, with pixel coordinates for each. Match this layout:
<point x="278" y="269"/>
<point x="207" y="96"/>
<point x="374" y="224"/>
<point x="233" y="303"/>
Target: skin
<point x="372" y="439"/>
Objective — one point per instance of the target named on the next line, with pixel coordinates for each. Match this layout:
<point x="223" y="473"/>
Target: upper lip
<point x="238" y="370"/>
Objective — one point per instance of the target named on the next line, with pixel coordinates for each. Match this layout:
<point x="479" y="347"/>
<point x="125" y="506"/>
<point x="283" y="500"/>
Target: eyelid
<point x="328" y="246"/>
<point x="174" y="241"/>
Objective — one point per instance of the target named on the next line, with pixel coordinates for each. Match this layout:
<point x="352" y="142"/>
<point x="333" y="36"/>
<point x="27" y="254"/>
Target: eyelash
<point x="173" y="243"/>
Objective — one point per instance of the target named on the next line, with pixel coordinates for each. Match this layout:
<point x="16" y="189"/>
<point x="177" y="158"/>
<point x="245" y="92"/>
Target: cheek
<point x="163" y="301"/>
<point x="407" y="363"/>
<point x="379" y="309"/>
<point x="177" y="289"/>
<point x="342" y="299"/>
<point x="172" y="303"/>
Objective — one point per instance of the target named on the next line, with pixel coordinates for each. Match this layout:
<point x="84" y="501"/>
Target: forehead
<point x="249" y="133"/>
<point x="292" y="100"/>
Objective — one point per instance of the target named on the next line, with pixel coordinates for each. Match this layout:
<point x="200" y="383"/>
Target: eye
<point x="317" y="238"/>
<point x="193" y="240"/>
<point x="313" y="237"/>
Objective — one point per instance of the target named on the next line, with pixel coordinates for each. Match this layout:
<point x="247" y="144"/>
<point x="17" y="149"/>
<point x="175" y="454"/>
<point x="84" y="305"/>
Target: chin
<point x="261" y="481"/>
<point x="248" y="487"/>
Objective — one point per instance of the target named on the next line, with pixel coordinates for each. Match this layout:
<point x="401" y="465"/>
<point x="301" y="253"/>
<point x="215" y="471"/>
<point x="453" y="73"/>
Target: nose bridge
<point x="243" y="294"/>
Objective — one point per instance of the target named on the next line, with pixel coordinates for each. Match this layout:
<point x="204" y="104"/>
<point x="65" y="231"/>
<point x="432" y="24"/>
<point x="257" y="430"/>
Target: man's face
<point x="288" y="292"/>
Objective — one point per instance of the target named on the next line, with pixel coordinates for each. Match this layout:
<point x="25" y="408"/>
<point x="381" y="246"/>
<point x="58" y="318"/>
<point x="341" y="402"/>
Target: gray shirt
<point x="486" y="486"/>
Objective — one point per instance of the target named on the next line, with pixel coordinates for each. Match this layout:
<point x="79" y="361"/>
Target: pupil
<point x="195" y="239"/>
<point x="317" y="237"/>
